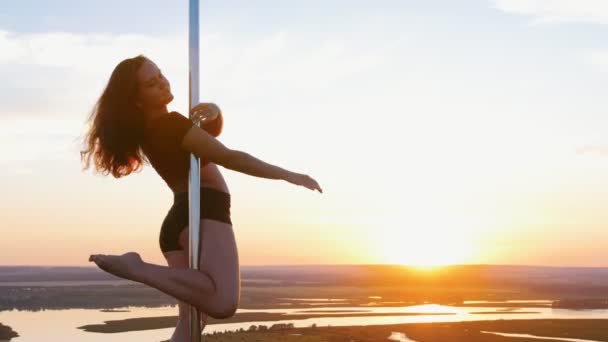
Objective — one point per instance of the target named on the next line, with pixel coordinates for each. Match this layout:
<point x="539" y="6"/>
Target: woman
<point x="130" y="124"/>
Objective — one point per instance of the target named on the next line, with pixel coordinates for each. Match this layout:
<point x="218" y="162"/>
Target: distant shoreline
<point x="471" y="331"/>
<point x="150" y="323"/>
<point x="58" y="283"/>
<point x="7" y="333"/>
<point x="263" y="288"/>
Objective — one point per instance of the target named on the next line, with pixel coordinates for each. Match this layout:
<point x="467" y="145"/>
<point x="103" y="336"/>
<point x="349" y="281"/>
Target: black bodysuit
<point x="162" y="146"/>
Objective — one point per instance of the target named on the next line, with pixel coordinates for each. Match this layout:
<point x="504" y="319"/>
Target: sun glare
<point x="426" y="243"/>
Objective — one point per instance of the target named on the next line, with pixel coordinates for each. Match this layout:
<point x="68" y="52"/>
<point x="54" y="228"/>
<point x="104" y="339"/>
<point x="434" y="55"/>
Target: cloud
<point x="547" y="11"/>
<point x="73" y="50"/>
<point x="54" y="73"/>
<point x="61" y="70"/>
<point x="52" y="79"/>
<point x="597" y="150"/>
<point x="35" y="139"/>
<point x="598" y="58"/>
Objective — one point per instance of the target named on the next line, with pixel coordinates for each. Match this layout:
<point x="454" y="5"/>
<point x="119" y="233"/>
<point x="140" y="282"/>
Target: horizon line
<point x="388" y="264"/>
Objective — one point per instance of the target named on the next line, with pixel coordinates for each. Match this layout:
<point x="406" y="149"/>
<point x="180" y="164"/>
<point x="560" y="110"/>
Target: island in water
<point x="322" y="286"/>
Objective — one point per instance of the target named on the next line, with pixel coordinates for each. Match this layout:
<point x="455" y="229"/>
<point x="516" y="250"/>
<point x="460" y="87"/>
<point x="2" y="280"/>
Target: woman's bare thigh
<point x="218" y="257"/>
<point x="179" y="259"/>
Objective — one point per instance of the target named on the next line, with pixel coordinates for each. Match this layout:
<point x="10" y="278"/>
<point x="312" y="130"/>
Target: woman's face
<point x="154" y="90"/>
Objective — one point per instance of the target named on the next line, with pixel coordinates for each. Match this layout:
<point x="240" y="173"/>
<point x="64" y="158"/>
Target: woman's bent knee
<point x="221" y="309"/>
<point x="227" y="312"/>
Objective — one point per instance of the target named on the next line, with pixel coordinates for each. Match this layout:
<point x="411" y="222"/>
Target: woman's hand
<point x="209" y="116"/>
<point x="204" y="112"/>
<point x="303" y="180"/>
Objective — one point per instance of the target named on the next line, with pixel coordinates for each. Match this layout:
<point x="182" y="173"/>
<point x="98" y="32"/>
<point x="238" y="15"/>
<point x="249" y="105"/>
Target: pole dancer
<point x="130" y="125"/>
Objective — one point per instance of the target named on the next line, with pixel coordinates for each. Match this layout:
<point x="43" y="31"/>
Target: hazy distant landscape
<point x="36" y="288"/>
<point x="335" y="286"/>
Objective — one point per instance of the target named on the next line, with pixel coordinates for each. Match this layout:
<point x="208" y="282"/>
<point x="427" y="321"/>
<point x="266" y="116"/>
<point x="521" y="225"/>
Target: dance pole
<point x="194" y="184"/>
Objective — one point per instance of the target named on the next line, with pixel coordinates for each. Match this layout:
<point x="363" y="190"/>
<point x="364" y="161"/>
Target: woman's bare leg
<point x="182" y="330"/>
<point x="179" y="259"/>
<point x="213" y="289"/>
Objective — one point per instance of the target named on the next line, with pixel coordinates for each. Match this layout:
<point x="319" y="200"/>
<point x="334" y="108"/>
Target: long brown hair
<point x="116" y="124"/>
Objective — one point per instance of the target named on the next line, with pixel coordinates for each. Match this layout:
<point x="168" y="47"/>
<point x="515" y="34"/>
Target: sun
<point x="426" y="244"/>
<point x="425" y="254"/>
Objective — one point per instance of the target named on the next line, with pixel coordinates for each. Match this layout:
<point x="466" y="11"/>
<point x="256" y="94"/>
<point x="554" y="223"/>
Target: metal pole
<point x="194" y="184"/>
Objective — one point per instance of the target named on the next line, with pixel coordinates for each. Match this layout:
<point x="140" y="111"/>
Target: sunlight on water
<point x="316" y="299"/>
<point x="50" y="325"/>
<point x="377" y="303"/>
<point x="62" y="324"/>
<point x="540" y="337"/>
<point x="535" y="301"/>
<point x="399" y="337"/>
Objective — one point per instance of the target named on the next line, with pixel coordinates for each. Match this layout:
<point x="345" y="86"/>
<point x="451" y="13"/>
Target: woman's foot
<point x="126" y="266"/>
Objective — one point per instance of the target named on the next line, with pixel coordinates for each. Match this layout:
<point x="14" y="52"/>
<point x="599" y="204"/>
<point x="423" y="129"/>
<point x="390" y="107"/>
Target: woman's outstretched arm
<point x="205" y="146"/>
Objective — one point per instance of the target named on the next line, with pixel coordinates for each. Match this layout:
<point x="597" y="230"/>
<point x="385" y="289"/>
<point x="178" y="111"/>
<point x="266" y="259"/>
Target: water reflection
<point x="540" y="337"/>
<point x="400" y="337"/>
<point x="317" y="299"/>
<point x="526" y="301"/>
<point x="44" y="325"/>
<point x="55" y="325"/>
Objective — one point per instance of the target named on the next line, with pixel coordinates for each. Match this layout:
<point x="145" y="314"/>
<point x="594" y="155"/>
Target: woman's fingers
<point x="204" y="117"/>
<point x="204" y="105"/>
<point x="205" y="110"/>
<point x="318" y="187"/>
<point x="313" y="185"/>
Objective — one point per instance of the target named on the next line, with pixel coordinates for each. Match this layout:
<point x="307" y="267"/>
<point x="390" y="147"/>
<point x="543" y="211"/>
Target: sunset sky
<point x="442" y="132"/>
